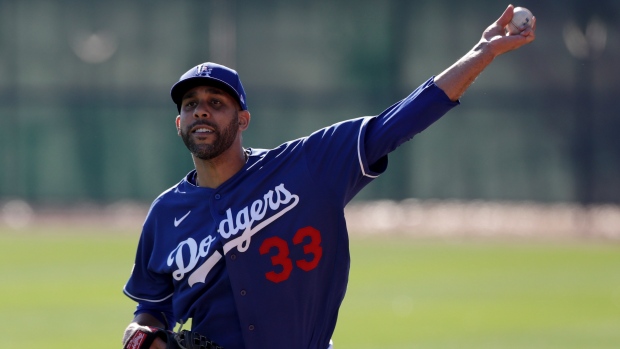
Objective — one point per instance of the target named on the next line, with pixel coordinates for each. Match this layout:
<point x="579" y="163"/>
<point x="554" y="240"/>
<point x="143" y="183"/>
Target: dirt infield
<point x="408" y="217"/>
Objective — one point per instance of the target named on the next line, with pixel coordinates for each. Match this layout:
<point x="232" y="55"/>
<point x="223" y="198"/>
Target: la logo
<point x="203" y="70"/>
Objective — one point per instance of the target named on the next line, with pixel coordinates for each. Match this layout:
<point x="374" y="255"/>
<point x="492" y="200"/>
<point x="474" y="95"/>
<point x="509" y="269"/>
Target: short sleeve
<point x="336" y="157"/>
<point x="145" y="284"/>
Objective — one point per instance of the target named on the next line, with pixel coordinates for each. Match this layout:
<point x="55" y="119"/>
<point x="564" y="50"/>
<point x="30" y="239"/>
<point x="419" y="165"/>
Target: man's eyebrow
<point x="215" y="91"/>
<point x="212" y="90"/>
<point x="189" y="95"/>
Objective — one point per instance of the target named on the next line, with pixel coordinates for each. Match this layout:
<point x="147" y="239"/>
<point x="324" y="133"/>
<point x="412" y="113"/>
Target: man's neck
<point x="212" y="173"/>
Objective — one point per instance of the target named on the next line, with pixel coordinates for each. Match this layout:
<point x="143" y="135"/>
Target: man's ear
<point x="177" y="122"/>
<point x="244" y="120"/>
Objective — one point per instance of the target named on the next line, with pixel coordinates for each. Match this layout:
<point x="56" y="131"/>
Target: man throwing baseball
<point x="252" y="244"/>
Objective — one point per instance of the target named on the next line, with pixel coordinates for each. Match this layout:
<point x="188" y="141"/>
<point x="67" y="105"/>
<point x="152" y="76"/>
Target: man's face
<point x="208" y="122"/>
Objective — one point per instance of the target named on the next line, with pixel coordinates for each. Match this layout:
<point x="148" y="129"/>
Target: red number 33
<point x="310" y="235"/>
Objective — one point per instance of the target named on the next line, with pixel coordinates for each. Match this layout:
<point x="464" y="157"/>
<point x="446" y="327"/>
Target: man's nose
<point x="201" y="110"/>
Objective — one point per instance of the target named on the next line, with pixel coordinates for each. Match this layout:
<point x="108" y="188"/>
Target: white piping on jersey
<point x="359" y="154"/>
<point x="145" y="299"/>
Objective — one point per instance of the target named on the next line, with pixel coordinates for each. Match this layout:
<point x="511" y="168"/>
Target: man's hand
<point x="138" y="336"/>
<point x="158" y="344"/>
<point x="455" y="80"/>
<point x="499" y="41"/>
<point x="144" y="337"/>
<point x="144" y="329"/>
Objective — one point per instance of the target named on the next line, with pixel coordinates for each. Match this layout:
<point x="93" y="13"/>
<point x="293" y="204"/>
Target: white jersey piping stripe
<point x="359" y="154"/>
<point x="144" y="299"/>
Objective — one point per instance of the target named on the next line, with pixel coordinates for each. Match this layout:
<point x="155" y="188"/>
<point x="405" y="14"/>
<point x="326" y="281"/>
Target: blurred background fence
<point x="86" y="114"/>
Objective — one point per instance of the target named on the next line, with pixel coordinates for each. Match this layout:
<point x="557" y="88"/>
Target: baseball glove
<point x="141" y="337"/>
<point x="192" y="340"/>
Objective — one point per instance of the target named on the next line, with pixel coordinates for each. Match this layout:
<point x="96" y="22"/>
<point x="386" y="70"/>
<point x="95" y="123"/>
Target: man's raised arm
<point x="455" y="80"/>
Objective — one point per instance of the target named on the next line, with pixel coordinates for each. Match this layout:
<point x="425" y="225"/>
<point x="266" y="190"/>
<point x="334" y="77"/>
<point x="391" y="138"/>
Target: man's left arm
<point x="429" y="102"/>
<point x="455" y="80"/>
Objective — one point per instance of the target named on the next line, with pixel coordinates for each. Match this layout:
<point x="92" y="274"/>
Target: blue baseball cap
<point x="211" y="74"/>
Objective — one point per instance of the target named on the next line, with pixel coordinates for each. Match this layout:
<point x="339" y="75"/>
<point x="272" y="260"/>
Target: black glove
<point x="190" y="340"/>
<point x="141" y="337"/>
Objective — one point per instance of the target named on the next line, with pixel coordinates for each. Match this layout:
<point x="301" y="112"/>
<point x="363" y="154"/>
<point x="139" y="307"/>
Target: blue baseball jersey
<point x="262" y="261"/>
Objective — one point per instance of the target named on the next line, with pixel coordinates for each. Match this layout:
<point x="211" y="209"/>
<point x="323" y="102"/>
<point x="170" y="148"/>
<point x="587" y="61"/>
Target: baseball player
<point x="252" y="244"/>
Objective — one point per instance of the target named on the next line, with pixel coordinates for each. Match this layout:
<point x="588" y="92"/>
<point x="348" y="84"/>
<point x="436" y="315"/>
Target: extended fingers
<point x="530" y="31"/>
<point x="506" y="17"/>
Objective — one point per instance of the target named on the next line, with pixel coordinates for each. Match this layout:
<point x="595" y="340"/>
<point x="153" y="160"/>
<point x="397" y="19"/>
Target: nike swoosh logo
<point x="178" y="221"/>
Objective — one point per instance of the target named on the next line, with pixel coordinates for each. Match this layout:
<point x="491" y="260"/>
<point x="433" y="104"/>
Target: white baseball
<point x="521" y="19"/>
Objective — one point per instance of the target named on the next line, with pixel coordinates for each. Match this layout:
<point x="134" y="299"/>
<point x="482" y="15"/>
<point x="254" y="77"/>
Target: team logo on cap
<point x="203" y="70"/>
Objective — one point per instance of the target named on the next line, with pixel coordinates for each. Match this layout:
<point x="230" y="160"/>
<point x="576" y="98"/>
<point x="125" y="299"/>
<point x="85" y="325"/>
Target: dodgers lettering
<point x="195" y="252"/>
<point x="255" y="212"/>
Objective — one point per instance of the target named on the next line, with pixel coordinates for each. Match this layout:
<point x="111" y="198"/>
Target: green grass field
<point x="62" y="289"/>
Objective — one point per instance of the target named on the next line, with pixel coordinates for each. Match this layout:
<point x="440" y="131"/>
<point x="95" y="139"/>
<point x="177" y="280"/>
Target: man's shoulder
<point x="354" y="123"/>
<point x="168" y="196"/>
<point x="263" y="153"/>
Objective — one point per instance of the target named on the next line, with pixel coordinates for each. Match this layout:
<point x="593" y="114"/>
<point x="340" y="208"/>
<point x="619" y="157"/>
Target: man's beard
<point x="223" y="140"/>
